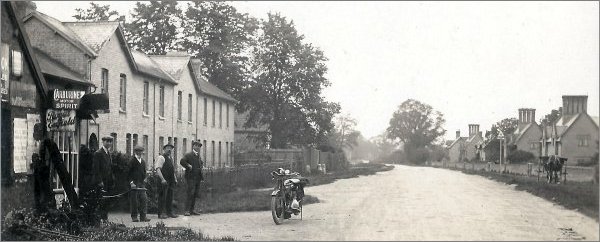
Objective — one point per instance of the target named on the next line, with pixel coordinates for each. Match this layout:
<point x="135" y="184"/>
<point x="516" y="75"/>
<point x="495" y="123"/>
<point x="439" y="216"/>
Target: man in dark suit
<point x="193" y="176"/>
<point x="137" y="181"/>
<point x="103" y="175"/>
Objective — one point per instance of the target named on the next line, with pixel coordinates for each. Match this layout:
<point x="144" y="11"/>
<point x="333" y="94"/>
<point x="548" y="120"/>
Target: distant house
<point x="574" y="135"/>
<point x="527" y="135"/>
<point x="456" y="150"/>
<point x="249" y="138"/>
<point x="473" y="142"/>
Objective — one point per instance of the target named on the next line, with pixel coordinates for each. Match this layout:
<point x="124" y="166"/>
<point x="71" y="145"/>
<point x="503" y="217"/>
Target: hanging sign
<point x="66" y="99"/>
<point x="5" y="69"/>
<point x="60" y="120"/>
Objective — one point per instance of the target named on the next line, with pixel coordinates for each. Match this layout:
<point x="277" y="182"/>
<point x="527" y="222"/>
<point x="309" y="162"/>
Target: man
<point x="137" y="180"/>
<point x="193" y="176"/>
<point x="103" y="175"/>
<point x="165" y="169"/>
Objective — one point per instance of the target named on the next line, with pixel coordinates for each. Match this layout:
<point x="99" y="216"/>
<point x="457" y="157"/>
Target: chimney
<point x="457" y="134"/>
<point x="521" y="115"/>
<point x="526" y="115"/>
<point x="532" y="116"/>
<point x="473" y="129"/>
<point x="574" y="104"/>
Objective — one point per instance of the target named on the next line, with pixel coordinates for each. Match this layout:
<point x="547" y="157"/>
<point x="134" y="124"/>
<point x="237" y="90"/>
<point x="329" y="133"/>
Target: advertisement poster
<point x="20" y="145"/>
<point x="66" y="99"/>
<point x="4" y="63"/>
<point x="60" y="120"/>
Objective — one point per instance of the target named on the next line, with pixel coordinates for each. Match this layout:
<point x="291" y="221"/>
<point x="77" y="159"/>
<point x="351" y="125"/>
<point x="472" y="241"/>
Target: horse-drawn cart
<point x="554" y="168"/>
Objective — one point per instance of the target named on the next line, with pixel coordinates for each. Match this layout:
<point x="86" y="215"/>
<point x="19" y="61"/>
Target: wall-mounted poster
<point x="17" y="63"/>
<point x="60" y="120"/>
<point x="20" y="145"/>
<point x="5" y="69"/>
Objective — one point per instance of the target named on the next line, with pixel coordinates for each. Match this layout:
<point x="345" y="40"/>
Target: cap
<point x="107" y="138"/>
<point x="167" y="145"/>
<point x="196" y="142"/>
<point x="138" y="148"/>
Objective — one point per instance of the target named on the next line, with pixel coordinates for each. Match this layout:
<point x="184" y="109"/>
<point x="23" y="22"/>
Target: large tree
<point x="96" y="12"/>
<point x="416" y="125"/>
<point x="221" y="37"/>
<point x="552" y="117"/>
<point x="285" y="89"/>
<point x="346" y="135"/>
<point x="154" y="27"/>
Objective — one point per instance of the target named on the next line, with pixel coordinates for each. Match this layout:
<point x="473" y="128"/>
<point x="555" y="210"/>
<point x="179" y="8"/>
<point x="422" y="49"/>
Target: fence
<point x="304" y="160"/>
<point x="573" y="173"/>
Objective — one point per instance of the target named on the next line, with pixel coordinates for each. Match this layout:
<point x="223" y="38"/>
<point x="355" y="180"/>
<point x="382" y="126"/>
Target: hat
<point x="138" y="148"/>
<point x="107" y="138"/>
<point x="169" y="144"/>
<point x="196" y="142"/>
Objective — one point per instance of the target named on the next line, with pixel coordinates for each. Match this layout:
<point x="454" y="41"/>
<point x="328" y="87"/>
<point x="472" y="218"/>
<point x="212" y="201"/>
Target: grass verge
<point x="581" y="196"/>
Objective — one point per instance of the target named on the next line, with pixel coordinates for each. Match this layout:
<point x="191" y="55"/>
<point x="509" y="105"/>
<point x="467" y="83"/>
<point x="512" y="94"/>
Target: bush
<point x="520" y="156"/>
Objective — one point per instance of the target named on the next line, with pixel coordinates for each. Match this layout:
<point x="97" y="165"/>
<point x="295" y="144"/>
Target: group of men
<point x="137" y="176"/>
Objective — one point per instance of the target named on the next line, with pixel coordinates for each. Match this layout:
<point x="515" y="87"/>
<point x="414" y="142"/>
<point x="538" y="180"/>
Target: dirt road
<point x="406" y="203"/>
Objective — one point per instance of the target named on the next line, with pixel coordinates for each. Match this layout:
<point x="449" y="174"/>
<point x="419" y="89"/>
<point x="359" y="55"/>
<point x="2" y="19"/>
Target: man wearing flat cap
<point x="103" y="175"/>
<point x="137" y="181"/>
<point x="165" y="169"/>
<point x="193" y="176"/>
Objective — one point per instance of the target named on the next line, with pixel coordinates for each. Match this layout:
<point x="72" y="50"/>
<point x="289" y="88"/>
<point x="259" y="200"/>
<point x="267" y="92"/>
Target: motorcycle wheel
<point x="277" y="209"/>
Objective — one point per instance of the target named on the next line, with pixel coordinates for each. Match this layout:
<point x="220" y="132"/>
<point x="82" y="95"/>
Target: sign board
<point x="66" y="99"/>
<point x="5" y="68"/>
<point x="20" y="145"/>
<point x="17" y="63"/>
<point x="60" y="120"/>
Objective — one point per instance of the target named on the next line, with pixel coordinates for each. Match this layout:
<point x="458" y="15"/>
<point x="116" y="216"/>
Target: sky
<point x="475" y="62"/>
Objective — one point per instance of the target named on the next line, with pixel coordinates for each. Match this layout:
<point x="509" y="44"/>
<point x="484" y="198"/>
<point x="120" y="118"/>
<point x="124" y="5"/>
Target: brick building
<point x="474" y="140"/>
<point x="456" y="150"/>
<point x="149" y="96"/>
<point x="574" y="135"/>
<point x="526" y="136"/>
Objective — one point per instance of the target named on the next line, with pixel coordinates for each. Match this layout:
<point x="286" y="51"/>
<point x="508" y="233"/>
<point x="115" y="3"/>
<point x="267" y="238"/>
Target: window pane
<point x="162" y="102"/>
<point x="146" y="97"/>
<point x="190" y="107"/>
<point x="179" y="105"/>
<point x="123" y="95"/>
<point x="205" y="112"/>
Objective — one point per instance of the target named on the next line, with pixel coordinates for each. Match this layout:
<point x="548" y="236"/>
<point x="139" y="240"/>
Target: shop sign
<point x="60" y="120"/>
<point x="66" y="99"/>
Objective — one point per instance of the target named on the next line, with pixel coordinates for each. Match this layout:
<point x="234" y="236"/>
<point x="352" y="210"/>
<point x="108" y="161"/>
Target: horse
<point x="553" y="167"/>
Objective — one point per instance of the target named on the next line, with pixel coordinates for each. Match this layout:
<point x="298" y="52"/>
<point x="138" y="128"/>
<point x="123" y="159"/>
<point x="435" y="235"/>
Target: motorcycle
<point x="286" y="198"/>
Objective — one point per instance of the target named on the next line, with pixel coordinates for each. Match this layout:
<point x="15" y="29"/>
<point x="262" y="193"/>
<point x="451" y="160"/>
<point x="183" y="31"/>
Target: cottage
<point x="527" y="134"/>
<point x="473" y="143"/>
<point x="456" y="150"/>
<point x="574" y="135"/>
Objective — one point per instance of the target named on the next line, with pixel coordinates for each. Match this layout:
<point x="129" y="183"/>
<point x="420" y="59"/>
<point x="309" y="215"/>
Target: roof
<point x="518" y="134"/>
<point x="52" y="67"/>
<point x="596" y="120"/>
<point x="93" y="34"/>
<point x="148" y="66"/>
<point x="62" y="30"/>
<point x="470" y="139"/>
<point x="461" y="139"/>
<point x="205" y="86"/>
<point x="28" y="52"/>
<point x="172" y="64"/>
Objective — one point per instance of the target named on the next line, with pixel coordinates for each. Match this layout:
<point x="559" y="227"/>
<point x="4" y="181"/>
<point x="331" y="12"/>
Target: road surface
<point x="406" y="203"/>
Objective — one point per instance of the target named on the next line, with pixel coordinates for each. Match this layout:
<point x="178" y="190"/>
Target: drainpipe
<point x="153" y="123"/>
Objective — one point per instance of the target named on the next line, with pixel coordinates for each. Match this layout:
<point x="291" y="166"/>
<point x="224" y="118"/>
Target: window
<point x="220" y="115"/>
<point x="213" y="113"/>
<point x="135" y="140"/>
<point x="220" y="164"/>
<point x="179" y="105"/>
<point x="231" y="152"/>
<point x="145" y="141"/>
<point x="146" y="105"/>
<point x="161" y="105"/>
<point x="114" y="136"/>
<point x="227" y="115"/>
<point x="184" y="148"/>
<point x="128" y="144"/>
<point x="190" y="107"/>
<point x="227" y="153"/>
<point x="161" y="143"/>
<point x="205" y="112"/>
<point x="123" y="94"/>
<point x="104" y="81"/>
<point x="175" y="151"/>
<point x="204" y="151"/>
<point x="583" y="140"/>
<point x="213" y="153"/>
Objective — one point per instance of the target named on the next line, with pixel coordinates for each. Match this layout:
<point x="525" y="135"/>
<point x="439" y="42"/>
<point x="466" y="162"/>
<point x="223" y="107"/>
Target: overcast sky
<point x="476" y="62"/>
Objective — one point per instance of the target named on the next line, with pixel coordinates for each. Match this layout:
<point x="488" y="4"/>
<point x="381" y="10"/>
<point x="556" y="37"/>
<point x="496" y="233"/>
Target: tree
<point x="507" y="126"/>
<point x="222" y="38"/>
<point x="97" y="12"/>
<point x="154" y="27"/>
<point x="417" y="126"/>
<point x="285" y="89"/>
<point x="552" y="117"/>
<point x="345" y="131"/>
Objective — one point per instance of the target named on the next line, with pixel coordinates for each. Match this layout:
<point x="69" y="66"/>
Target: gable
<point x="583" y="122"/>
